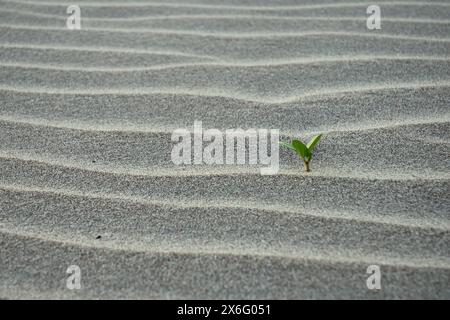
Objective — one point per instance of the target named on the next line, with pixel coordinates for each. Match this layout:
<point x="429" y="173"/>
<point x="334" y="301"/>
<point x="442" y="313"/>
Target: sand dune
<point x="86" y="119"/>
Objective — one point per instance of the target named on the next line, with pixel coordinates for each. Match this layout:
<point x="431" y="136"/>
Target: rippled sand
<point x="86" y="119"/>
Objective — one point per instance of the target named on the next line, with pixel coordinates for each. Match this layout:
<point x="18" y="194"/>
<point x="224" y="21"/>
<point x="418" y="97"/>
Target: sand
<point x="86" y="119"/>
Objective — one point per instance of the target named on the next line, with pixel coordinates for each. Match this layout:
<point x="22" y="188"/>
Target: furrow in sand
<point x="216" y="17"/>
<point x="382" y="199"/>
<point x="316" y="256"/>
<point x="253" y="84"/>
<point x="242" y="49"/>
<point x="104" y="50"/>
<point x="158" y="211"/>
<point x="96" y="60"/>
<point x="395" y="26"/>
<point x="145" y="14"/>
<point x="332" y="62"/>
<point x="350" y="151"/>
<point x="162" y="130"/>
<point x="231" y="35"/>
<point x="238" y="81"/>
<point x="350" y="112"/>
<point x="354" y="10"/>
<point x="109" y="272"/>
<point x="217" y="93"/>
<point x="225" y="6"/>
<point x="245" y="64"/>
<point x="217" y="171"/>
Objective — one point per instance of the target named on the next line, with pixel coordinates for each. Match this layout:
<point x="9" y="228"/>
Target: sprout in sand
<point x="305" y="152"/>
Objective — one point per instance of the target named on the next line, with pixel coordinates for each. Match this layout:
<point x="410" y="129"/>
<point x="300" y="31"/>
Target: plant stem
<point x="307" y="166"/>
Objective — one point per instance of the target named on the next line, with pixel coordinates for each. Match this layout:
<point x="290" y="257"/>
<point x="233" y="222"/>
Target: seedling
<point x="305" y="152"/>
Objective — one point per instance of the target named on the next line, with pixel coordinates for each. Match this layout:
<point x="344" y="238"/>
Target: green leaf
<point x="301" y="149"/>
<point x="312" y="144"/>
<point x="287" y="145"/>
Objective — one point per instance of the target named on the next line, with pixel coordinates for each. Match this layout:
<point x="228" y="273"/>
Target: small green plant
<point x="304" y="151"/>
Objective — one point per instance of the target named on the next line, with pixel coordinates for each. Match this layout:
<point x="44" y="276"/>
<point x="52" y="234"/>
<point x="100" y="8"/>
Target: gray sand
<point x="85" y="124"/>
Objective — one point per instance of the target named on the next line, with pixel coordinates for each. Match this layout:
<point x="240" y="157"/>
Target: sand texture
<point x="86" y="178"/>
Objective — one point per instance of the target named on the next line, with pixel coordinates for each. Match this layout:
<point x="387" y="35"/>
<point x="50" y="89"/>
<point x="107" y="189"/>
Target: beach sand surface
<point x="86" y="119"/>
